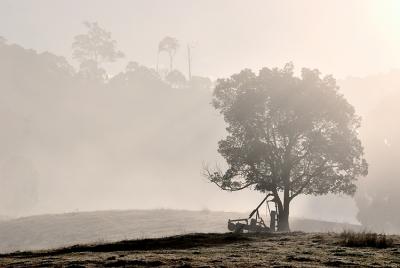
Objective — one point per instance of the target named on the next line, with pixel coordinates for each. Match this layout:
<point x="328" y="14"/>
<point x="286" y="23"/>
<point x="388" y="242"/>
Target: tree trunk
<point x="170" y="62"/>
<point x="283" y="223"/>
<point x="158" y="57"/>
<point x="189" y="63"/>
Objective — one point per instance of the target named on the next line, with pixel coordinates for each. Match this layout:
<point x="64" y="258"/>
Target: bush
<point x="365" y="239"/>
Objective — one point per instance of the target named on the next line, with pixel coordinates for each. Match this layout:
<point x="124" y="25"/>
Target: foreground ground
<point x="214" y="250"/>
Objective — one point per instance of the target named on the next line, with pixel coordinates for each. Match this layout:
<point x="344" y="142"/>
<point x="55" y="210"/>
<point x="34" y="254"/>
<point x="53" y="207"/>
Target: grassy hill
<point x="51" y="231"/>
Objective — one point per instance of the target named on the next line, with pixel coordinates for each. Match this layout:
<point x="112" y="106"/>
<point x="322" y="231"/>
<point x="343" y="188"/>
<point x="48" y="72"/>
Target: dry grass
<point x="215" y="250"/>
<point x="365" y="239"/>
<point x="63" y="230"/>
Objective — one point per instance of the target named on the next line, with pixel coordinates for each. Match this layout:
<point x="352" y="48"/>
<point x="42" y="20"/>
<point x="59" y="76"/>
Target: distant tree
<point x="169" y="45"/>
<point x="287" y="135"/>
<point x="176" y="78"/>
<point x="90" y="70"/>
<point x="132" y="66"/>
<point x="94" y="48"/>
<point x="45" y="69"/>
<point x="138" y="78"/>
<point x="199" y="82"/>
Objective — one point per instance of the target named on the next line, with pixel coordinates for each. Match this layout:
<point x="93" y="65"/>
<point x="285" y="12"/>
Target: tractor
<point x="255" y="223"/>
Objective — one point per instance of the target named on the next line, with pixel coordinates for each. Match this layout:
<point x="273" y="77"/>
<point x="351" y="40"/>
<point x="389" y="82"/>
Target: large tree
<point x="287" y="136"/>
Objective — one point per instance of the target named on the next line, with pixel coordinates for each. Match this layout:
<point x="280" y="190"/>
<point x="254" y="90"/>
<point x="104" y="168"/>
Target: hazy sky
<point x="341" y="37"/>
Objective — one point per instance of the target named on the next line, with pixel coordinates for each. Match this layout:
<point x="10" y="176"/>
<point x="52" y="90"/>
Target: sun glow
<point x="386" y="17"/>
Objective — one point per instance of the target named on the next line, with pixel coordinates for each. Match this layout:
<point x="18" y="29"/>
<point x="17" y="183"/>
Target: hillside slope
<point x="51" y="231"/>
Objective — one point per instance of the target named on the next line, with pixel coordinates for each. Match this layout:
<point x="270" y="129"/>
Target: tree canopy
<point x="296" y="135"/>
<point x="94" y="48"/>
<point x="175" y="78"/>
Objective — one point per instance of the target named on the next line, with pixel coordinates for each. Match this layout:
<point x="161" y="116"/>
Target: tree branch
<point x="317" y="172"/>
<point x="216" y="177"/>
<point x="230" y="189"/>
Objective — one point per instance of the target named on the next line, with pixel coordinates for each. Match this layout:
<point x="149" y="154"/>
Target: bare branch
<point x="217" y="177"/>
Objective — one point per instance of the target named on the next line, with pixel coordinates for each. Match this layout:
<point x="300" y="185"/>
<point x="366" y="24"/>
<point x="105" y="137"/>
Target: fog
<point x="129" y="137"/>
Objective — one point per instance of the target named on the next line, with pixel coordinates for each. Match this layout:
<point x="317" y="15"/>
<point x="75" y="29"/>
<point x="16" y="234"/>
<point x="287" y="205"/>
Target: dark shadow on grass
<point x="173" y="242"/>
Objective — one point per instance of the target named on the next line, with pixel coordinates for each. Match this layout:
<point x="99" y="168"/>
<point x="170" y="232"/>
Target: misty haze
<point x="200" y="125"/>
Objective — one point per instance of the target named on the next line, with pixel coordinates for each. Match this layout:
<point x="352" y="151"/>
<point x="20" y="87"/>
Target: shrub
<point x="365" y="239"/>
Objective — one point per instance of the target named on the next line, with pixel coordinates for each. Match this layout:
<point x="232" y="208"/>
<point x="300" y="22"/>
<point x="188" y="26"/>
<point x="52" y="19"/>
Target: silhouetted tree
<point x="169" y="45"/>
<point x="95" y="48"/>
<point x="287" y="135"/>
<point x="90" y="70"/>
<point x="176" y="79"/>
<point x="137" y="77"/>
<point x="132" y="66"/>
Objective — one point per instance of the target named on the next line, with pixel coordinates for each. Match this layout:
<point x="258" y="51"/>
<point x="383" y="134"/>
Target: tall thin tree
<point x="169" y="45"/>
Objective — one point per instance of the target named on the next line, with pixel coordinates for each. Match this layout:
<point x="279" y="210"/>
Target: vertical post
<point x="170" y="61"/>
<point x="158" y="56"/>
<point x="189" y="63"/>
<point x="272" y="223"/>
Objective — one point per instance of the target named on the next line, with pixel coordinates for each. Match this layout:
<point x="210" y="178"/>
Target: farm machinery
<point x="255" y="223"/>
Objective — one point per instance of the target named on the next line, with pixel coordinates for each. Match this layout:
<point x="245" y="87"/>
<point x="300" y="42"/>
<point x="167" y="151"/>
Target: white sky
<point x="342" y="37"/>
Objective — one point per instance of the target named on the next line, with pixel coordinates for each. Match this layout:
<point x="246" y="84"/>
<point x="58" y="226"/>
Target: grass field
<point x="52" y="231"/>
<point x="295" y="249"/>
